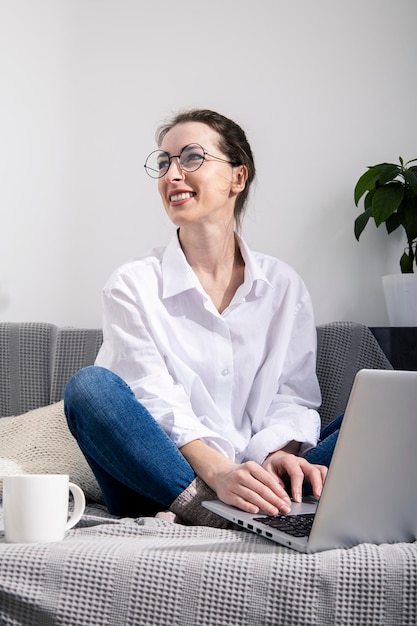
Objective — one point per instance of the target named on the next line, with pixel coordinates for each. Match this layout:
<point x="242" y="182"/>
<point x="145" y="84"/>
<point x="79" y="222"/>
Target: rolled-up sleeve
<point x="292" y="414"/>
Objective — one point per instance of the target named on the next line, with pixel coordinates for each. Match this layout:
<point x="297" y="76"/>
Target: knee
<point x="82" y="382"/>
<point x="82" y="391"/>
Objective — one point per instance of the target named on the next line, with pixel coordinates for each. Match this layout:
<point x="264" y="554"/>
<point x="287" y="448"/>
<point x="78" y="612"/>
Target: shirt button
<point x="225" y="372"/>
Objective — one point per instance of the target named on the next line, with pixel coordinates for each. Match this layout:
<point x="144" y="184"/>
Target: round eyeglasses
<point x="190" y="159"/>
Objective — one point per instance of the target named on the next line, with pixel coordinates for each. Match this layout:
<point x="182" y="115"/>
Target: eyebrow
<point x="193" y="143"/>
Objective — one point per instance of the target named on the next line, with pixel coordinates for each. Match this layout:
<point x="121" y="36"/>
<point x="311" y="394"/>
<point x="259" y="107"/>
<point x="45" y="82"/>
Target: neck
<point x="209" y="250"/>
<point x="218" y="263"/>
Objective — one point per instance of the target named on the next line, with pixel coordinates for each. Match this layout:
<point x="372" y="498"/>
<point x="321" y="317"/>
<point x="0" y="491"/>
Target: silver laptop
<point x="370" y="493"/>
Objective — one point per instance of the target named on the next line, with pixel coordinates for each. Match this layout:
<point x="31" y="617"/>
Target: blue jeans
<point x="323" y="452"/>
<point x="139" y="470"/>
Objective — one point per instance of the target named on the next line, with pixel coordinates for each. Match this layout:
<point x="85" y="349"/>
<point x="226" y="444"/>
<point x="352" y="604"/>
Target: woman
<point x="205" y="384"/>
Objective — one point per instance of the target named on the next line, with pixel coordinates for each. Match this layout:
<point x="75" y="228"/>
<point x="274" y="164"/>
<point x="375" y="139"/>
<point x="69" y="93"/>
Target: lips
<point x="178" y="197"/>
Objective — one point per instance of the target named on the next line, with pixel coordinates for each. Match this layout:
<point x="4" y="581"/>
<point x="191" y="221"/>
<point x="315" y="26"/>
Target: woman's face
<point x="205" y="195"/>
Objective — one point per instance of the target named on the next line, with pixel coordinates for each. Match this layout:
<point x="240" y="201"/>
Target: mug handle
<point x="79" y="505"/>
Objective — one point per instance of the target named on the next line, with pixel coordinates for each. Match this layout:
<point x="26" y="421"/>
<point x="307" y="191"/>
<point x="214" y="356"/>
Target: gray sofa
<point x="111" y="571"/>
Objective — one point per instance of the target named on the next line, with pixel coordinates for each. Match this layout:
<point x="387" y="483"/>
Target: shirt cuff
<point x="270" y="440"/>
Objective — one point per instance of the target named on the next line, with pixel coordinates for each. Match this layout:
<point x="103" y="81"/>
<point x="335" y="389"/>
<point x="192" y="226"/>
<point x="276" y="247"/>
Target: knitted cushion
<point x="39" y="442"/>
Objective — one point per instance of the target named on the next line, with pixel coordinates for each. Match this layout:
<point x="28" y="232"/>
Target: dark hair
<point x="233" y="143"/>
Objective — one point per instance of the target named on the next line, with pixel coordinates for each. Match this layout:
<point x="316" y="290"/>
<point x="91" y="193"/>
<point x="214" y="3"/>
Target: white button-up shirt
<point x="242" y="381"/>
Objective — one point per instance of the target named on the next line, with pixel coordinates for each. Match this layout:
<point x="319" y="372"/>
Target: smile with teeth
<point x="181" y="196"/>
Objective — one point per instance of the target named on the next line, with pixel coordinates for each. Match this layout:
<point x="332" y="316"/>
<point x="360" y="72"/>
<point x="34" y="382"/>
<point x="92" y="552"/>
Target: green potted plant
<point x="390" y="197"/>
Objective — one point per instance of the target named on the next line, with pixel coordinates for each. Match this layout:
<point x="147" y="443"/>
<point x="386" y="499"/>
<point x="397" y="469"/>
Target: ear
<point x="240" y="176"/>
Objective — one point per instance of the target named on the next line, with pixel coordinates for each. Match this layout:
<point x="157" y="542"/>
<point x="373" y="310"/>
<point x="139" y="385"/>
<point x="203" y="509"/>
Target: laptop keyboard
<point x="294" y="525"/>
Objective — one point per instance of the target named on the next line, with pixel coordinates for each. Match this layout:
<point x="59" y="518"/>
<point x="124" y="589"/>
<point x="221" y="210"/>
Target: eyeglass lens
<point x="190" y="159"/>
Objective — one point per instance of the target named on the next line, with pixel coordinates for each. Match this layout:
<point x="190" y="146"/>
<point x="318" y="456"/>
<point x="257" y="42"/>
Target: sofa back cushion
<point x="37" y="360"/>
<point x="26" y="351"/>
<point x="74" y="348"/>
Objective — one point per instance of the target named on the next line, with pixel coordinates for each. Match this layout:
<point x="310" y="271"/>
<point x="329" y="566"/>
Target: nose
<point x="175" y="170"/>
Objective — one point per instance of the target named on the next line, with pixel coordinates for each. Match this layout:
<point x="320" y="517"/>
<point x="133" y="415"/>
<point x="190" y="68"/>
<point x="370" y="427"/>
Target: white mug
<point x="35" y="507"/>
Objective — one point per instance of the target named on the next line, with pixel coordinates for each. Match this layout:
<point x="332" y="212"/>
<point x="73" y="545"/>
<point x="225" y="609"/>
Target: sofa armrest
<point x="343" y="348"/>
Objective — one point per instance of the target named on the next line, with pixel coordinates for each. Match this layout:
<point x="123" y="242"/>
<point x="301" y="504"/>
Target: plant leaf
<point x="361" y="221"/>
<point x="365" y="183"/>
<point x="394" y="221"/>
<point x="386" y="201"/>
<point x="406" y="263"/>
<point x="411" y="219"/>
<point x="367" y="201"/>
<point x="389" y="172"/>
<point x="377" y="174"/>
<point x="411" y="177"/>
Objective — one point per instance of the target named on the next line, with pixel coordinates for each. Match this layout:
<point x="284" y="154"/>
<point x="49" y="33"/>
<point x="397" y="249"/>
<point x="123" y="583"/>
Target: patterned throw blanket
<point x="111" y="571"/>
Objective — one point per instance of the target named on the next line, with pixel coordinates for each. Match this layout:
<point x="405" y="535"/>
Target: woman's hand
<point x="295" y="469"/>
<point x="251" y="488"/>
<point x="248" y="486"/>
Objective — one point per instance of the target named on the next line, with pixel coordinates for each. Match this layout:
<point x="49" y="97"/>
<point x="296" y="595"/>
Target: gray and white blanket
<point x="111" y="571"/>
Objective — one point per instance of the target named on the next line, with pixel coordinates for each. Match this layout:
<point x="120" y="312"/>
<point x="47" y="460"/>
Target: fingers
<point x="254" y="488"/>
<point x="258" y="490"/>
<point x="297" y="470"/>
<point x="317" y="479"/>
<point x="303" y="470"/>
<point x="251" y="488"/>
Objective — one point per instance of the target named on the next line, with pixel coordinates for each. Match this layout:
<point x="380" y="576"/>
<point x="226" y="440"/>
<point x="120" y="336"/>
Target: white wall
<point x="323" y="89"/>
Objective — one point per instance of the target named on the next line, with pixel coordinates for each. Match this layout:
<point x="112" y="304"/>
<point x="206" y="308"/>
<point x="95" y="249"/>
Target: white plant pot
<point x="400" y="291"/>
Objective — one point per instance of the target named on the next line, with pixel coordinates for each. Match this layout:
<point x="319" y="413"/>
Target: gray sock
<point x="189" y="510"/>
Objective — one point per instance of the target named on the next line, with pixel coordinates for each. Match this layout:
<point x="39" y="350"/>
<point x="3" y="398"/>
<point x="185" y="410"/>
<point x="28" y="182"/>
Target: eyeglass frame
<point x="178" y="156"/>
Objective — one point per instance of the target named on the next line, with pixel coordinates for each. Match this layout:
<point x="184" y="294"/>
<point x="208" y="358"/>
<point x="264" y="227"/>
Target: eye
<point x="192" y="157"/>
<point x="162" y="162"/>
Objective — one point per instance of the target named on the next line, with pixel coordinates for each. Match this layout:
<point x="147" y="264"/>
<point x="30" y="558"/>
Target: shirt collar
<point x="179" y="277"/>
<point x="254" y="273"/>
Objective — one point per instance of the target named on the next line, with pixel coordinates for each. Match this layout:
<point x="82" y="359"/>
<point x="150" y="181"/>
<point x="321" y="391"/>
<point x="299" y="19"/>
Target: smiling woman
<point x="205" y="385"/>
<point x="200" y="180"/>
<point x="232" y="142"/>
